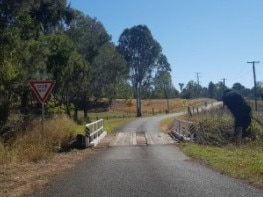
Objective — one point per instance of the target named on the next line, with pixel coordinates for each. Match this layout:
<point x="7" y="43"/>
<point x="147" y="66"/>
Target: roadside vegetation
<point x="219" y="150"/>
<point x="28" y="144"/>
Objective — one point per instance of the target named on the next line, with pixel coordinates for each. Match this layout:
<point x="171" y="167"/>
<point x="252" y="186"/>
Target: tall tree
<point x="191" y="90"/>
<point x="110" y="70"/>
<point x="163" y="84"/>
<point x="51" y="16"/>
<point x="163" y="79"/>
<point x="89" y="37"/>
<point x="88" y="34"/>
<point x="181" y="85"/>
<point x="141" y="51"/>
<point x="211" y="90"/>
<point x="24" y="50"/>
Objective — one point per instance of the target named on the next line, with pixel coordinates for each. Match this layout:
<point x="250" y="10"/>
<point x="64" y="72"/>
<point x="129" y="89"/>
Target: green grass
<point x="244" y="162"/>
<point x="93" y="116"/>
<point x="79" y="129"/>
<point x="112" y="124"/>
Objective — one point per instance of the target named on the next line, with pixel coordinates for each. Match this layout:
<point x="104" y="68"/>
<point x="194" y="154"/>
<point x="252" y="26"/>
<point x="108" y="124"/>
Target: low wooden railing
<point x="183" y="130"/>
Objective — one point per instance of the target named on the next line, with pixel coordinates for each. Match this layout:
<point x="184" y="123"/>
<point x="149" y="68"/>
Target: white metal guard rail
<point x="93" y="131"/>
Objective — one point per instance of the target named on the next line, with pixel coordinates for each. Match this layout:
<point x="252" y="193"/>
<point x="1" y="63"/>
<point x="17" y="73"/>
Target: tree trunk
<point x="76" y="114"/>
<point x="68" y="110"/>
<point x="24" y="102"/>
<point x="138" y="100"/>
<point x="85" y="107"/>
<point x="168" y="105"/>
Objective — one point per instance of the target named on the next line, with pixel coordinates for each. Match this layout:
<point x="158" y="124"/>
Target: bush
<point x="54" y="108"/>
<point x="215" y="130"/>
<point x="256" y="130"/>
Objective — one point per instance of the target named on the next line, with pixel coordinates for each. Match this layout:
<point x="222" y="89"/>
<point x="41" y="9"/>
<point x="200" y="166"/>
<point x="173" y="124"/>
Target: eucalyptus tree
<point x="211" y="90"/>
<point x="181" y="86"/>
<point x="88" y="36"/>
<point x="51" y="16"/>
<point x="163" y="80"/>
<point x="107" y="67"/>
<point x="18" y="45"/>
<point x="163" y="85"/>
<point x="111" y="70"/>
<point x="191" y="90"/>
<point x="141" y="52"/>
<point x="23" y="46"/>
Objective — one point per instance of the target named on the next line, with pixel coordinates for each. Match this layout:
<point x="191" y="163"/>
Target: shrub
<point x="255" y="129"/>
<point x="54" y="108"/>
<point x="29" y="146"/>
<point x="215" y="130"/>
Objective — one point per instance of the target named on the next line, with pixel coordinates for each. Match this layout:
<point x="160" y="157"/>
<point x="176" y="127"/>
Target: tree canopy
<point x="44" y="39"/>
<point x="141" y="52"/>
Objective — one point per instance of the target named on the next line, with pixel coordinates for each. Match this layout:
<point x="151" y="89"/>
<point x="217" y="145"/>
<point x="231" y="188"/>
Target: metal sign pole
<point x="43" y="116"/>
<point x="42" y="89"/>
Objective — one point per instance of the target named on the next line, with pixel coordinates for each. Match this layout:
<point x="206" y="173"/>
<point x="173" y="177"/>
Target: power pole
<point x="224" y="83"/>
<point x="198" y="82"/>
<point x="197" y="78"/>
<point x="255" y="83"/>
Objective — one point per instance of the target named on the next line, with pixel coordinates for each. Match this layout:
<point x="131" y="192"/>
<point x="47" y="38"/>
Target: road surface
<point x="141" y="161"/>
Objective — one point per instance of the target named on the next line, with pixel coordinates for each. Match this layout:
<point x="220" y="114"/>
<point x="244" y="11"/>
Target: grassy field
<point x="244" y="162"/>
<point x="155" y="106"/>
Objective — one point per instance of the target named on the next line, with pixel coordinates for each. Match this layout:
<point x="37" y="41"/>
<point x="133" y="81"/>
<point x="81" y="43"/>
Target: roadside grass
<point x="244" y="162"/>
<point x="109" y="124"/>
<point x="28" y="145"/>
<point x="31" y="146"/>
<point x="166" y="124"/>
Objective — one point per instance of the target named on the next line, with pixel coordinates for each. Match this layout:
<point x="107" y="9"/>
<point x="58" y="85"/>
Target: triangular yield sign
<point x="42" y="88"/>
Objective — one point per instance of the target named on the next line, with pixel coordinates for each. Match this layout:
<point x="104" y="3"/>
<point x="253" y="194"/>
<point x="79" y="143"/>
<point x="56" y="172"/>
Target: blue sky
<point x="214" y="38"/>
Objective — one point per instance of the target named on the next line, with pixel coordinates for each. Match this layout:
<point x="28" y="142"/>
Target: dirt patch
<point x="20" y="179"/>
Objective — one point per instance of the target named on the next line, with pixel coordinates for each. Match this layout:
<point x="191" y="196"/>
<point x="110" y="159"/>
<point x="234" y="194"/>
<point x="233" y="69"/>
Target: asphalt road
<point x="132" y="166"/>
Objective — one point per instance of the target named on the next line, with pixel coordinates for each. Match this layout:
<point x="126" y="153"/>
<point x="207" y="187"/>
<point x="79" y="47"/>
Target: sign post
<point x="42" y="90"/>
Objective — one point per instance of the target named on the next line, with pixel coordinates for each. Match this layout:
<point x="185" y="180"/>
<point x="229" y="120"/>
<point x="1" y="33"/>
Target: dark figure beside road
<point x="241" y="112"/>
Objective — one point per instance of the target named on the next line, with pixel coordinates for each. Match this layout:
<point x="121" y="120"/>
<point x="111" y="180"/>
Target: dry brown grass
<point x="156" y="106"/>
<point x="29" y="145"/>
<point x="30" y="162"/>
<point x="24" y="178"/>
